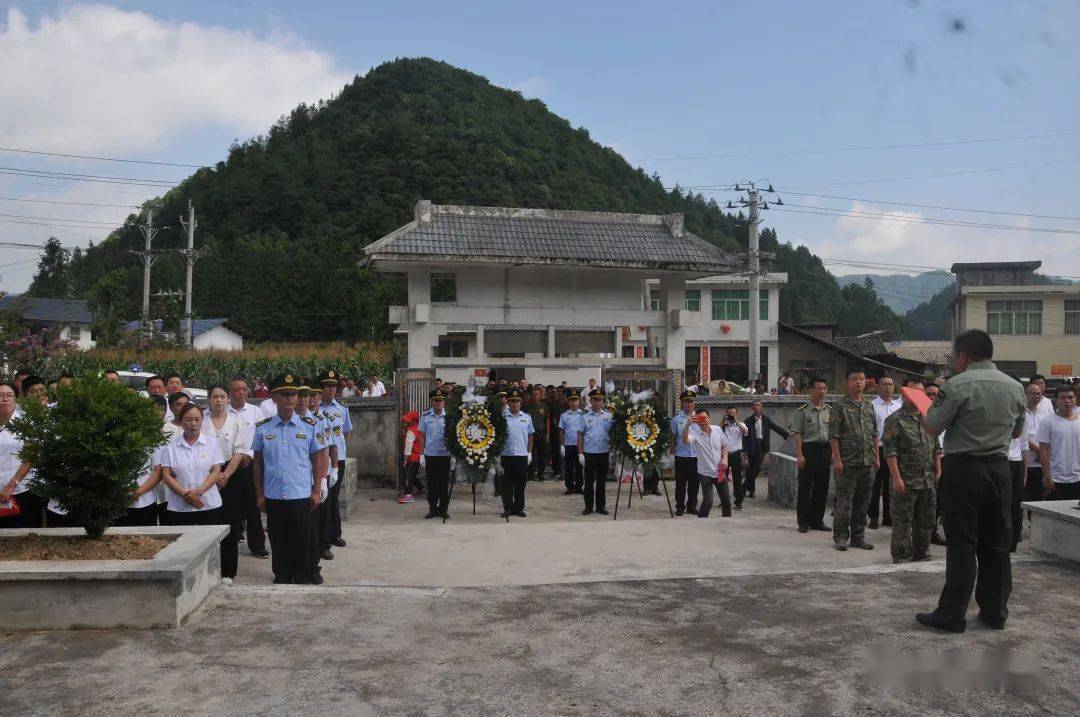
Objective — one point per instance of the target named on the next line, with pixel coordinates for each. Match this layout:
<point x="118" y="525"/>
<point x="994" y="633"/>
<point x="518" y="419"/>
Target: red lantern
<point x="725" y="328"/>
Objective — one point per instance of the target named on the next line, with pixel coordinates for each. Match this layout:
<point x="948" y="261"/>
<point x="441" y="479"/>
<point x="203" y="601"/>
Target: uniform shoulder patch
<point x="265" y="420"/>
<point x="308" y="420"/>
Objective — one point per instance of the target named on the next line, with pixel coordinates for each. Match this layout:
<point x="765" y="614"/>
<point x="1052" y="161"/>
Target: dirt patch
<point x="77" y="547"/>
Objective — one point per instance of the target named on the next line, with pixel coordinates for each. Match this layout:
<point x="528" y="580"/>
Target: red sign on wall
<point x="639" y="352"/>
<point x="704" y="378"/>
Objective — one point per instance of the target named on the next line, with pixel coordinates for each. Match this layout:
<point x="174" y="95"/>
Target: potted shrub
<point x="89" y="449"/>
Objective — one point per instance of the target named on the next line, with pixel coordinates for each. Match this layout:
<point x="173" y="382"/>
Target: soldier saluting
<point x="983" y="410"/>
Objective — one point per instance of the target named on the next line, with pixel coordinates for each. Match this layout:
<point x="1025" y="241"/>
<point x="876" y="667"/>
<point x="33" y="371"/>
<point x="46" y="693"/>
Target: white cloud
<point x="95" y="78"/>
<point x="901" y="238"/>
<point x="533" y="86"/>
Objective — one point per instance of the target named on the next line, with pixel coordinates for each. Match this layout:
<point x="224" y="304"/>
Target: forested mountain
<point x="285" y="215"/>
<point x="902" y="292"/>
<point x="932" y="319"/>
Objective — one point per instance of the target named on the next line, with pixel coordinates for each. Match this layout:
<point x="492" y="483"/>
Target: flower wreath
<point x="641" y="430"/>
<point x="476" y="432"/>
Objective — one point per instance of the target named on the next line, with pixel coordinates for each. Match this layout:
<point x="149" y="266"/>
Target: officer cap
<point x="437" y="396"/>
<point x="500" y="393"/>
<point x="596" y="393"/>
<point x="513" y="395"/>
<point x="286" y="382"/>
<point x="572" y="393"/>
<point x="309" y="386"/>
<point x="687" y="395"/>
<point x="330" y="377"/>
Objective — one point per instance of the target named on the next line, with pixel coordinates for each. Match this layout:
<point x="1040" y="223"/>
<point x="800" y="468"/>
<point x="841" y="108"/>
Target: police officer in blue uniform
<point x="571" y="423"/>
<point x="288" y="481"/>
<point x="435" y="456"/>
<point x="341" y="427"/>
<point x="516" y="456"/>
<point x="594" y="447"/>
<point x="307" y="397"/>
<point x="686" y="478"/>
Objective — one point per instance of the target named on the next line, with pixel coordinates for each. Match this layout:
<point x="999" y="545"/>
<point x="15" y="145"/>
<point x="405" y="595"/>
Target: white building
<point x="547" y="295"/>
<point x="206" y="334"/>
<point x="68" y="319"/>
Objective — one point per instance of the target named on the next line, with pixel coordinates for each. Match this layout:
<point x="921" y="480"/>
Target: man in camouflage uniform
<point x="853" y="435"/>
<point x="540" y="412"/>
<point x="914" y="460"/>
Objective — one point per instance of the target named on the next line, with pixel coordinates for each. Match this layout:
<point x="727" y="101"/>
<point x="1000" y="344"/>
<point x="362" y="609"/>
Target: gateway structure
<point x="542" y="294"/>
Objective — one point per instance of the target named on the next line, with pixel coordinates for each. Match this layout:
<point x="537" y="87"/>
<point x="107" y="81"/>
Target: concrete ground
<point x="562" y="614"/>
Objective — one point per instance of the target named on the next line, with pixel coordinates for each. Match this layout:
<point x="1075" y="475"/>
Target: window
<point x="734" y="305"/>
<point x="693" y="363"/>
<point x="1072" y="317"/>
<point x="693" y="299"/>
<point x="654" y="299"/>
<point x="627" y="351"/>
<point x="1017" y="369"/>
<point x="453" y="348"/>
<point x="74" y="333"/>
<point x="1014" y="317"/>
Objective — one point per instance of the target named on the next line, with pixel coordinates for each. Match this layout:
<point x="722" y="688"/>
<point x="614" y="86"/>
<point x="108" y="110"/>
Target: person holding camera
<point x="734" y="432"/>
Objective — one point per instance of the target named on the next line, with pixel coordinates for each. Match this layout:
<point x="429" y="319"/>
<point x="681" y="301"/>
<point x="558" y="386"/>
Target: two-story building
<point x="1035" y="325"/>
<point x="545" y="295"/>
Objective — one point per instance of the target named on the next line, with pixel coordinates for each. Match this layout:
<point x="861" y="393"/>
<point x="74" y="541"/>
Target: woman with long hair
<point x="191" y="468"/>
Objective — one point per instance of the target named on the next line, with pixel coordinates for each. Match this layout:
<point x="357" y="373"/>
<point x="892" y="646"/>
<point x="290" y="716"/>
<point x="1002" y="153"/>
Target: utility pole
<point x="191" y="256"/>
<point x="755" y="288"/>
<point x="148" y="255"/>
<point x="754" y="204"/>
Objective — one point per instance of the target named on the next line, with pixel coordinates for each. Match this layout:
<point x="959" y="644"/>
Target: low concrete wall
<point x="349" y="487"/>
<point x="1055" y="528"/>
<point x="97" y="594"/>
<point x="784" y="481"/>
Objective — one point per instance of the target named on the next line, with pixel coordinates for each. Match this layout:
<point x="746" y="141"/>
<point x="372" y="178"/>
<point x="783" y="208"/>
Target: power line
<point x="57" y="201"/>
<point x="826" y="212"/>
<point x="101" y="159"/>
<point x="77" y="177"/>
<point x="857" y="148"/>
<point x="61" y="219"/>
<point x="933" y="206"/>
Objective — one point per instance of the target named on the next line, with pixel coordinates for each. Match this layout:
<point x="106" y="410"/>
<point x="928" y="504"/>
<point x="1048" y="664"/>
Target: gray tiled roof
<point x="198" y="326"/>
<point x="862" y="345"/>
<point x="59" y="311"/>
<point x="542" y="236"/>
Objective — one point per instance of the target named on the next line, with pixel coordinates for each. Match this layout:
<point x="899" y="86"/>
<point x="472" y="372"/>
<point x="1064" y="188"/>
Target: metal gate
<point x="414" y="386"/>
<point x="666" y="383"/>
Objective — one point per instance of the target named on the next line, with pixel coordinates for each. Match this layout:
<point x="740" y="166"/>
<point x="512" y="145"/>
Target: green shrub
<point x="90" y="448"/>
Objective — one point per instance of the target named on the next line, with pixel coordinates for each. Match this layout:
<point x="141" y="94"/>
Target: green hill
<point x="285" y="214"/>
<point x="902" y="292"/>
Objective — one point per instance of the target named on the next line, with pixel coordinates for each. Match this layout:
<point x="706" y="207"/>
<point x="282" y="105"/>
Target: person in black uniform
<point x="983" y="410"/>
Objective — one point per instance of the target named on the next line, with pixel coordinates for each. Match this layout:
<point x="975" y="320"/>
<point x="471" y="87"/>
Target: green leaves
<point x="90" y="448"/>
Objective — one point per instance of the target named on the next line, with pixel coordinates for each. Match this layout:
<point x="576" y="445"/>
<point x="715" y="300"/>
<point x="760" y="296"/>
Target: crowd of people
<point x="232" y="460"/>
<point x="225" y="463"/>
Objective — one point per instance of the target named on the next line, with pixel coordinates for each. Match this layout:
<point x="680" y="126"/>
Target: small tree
<point x="89" y="449"/>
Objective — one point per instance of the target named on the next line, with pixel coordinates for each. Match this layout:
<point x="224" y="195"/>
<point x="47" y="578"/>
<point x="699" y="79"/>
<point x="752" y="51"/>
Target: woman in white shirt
<point x="232" y="439"/>
<point x="14" y="473"/>
<point x="191" y="467"/>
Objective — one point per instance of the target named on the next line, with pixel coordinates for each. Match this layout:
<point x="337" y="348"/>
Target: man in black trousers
<point x="756" y="444"/>
<point x="814" y="457"/>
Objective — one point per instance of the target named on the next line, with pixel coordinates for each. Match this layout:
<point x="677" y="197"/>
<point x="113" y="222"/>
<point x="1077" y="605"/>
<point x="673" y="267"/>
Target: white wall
<point x="220" y="338"/>
<point x="84" y="341"/>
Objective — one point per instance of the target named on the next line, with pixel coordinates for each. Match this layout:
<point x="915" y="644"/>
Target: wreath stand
<point x="630" y="491"/>
<point x="472" y="483"/>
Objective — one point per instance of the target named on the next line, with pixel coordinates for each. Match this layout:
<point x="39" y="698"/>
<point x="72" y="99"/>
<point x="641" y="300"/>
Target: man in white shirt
<point x="1046" y="406"/>
<point x="247" y="415"/>
<point x="1033" y="490"/>
<point x="712" y="455"/>
<point x="734" y="430"/>
<point x="886" y="403"/>
<point x="1059" y="447"/>
<point x="377" y="387"/>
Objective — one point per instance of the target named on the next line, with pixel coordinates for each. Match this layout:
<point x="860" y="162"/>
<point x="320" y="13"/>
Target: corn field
<point x="203" y="368"/>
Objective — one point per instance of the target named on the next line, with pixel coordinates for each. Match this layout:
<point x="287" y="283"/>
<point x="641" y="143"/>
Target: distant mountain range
<point x="902" y="292"/>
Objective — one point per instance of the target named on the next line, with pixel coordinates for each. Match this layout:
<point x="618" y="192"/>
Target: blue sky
<point x="764" y="86"/>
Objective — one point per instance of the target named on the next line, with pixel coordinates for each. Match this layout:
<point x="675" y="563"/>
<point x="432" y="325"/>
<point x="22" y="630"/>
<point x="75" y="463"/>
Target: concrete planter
<point x="1055" y="528"/>
<point x="77" y="594"/>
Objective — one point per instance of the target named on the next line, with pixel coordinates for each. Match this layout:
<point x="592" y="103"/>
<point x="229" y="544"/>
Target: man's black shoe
<point x="680" y="511"/>
<point x="750" y="494"/>
<point x="602" y="511"/>
<point x="822" y="527"/>
<point x="317" y="579"/>
<point x="725" y="511"/>
<point x="431" y="514"/>
<point x="504" y="515"/>
<point x="738" y="506"/>
<point x="863" y="545"/>
<point x="444" y="515"/>
<point x="692" y="511"/>
<point x="937" y="538"/>
<point x="327" y="554"/>
<point x="803" y="529"/>
<point x="931" y="620"/>
<point x="569" y="491"/>
<point x="260" y="554"/>
<point x="520" y="514"/>
<point x="587" y="511"/>
<point x="337" y="542"/>
<point x="992" y="624"/>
